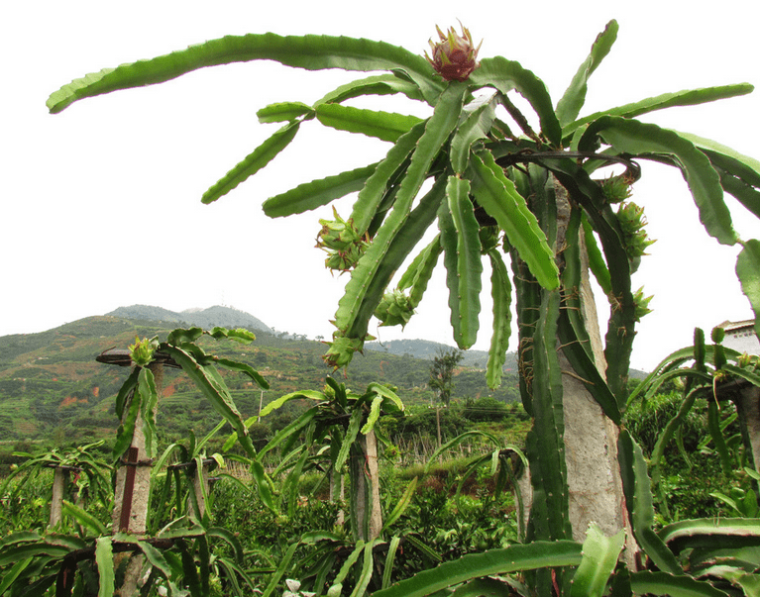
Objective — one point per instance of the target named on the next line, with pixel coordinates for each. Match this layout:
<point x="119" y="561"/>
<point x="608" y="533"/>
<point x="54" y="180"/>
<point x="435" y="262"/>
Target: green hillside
<point x="425" y="349"/>
<point x="51" y="387"/>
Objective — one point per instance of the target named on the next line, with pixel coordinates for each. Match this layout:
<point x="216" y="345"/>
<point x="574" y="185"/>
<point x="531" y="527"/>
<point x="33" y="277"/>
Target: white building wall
<point x="743" y="340"/>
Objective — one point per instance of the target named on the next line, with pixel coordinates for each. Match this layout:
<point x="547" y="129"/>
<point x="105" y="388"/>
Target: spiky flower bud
<point x="343" y="244"/>
<point x="455" y="56"/>
<point x="635" y="238"/>
<point x="616" y="188"/>
<point x="641" y="304"/>
<point x="395" y="308"/>
<point x="342" y="349"/>
<point x="141" y="352"/>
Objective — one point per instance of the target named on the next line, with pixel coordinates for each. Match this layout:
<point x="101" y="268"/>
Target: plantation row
<point x="312" y="509"/>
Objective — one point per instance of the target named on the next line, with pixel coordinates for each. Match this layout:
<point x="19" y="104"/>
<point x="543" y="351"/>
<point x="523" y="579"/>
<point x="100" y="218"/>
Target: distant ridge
<point x="426" y="349"/>
<point x="206" y="318"/>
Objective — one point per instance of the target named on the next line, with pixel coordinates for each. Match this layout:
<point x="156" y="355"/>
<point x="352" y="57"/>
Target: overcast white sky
<point x="101" y="204"/>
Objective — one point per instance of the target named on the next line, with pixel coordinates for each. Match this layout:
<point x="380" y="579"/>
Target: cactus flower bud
<point x="142" y="351"/>
<point x="455" y="56"/>
<point x="395" y="308"/>
<point x="343" y="244"/>
<point x="617" y="188"/>
<point x="342" y="349"/>
<point x="641" y="304"/>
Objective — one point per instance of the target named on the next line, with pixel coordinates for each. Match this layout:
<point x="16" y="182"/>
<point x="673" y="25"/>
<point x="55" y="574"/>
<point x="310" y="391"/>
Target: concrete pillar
<point x="132" y="497"/>
<point x="56" y="502"/>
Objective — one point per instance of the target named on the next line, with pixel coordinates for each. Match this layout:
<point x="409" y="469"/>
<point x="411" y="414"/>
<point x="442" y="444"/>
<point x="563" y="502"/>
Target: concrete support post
<point x="365" y="476"/>
<point x="747" y="402"/>
<point x="56" y="502"/>
<point x="132" y="498"/>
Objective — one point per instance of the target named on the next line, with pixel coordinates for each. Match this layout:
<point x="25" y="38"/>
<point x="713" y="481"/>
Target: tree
<point x="442" y="372"/>
<point x="500" y="186"/>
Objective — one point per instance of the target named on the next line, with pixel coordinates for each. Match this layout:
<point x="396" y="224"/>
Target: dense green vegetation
<point x="52" y="390"/>
<point x="585" y="522"/>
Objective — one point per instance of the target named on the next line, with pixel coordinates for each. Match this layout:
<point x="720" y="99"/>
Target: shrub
<point x="484" y="409"/>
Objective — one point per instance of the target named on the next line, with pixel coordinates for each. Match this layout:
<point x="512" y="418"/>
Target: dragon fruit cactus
<point x="455" y="56"/>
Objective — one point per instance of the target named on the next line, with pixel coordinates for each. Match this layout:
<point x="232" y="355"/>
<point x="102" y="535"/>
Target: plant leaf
<point x="283" y="112"/>
<point x="746" y="194"/>
<point x="638" y="497"/>
<point x="501" y="293"/>
<point x="716" y="432"/>
<point x="748" y="271"/>
<point x="148" y="404"/>
<point x="241" y="335"/>
<point x="437" y="130"/>
<point x="253" y="162"/>
<point x="351" y="434"/>
<point x="464" y="281"/>
<point x="596" y="261"/>
<point x="505" y="75"/>
<point x="311" y="52"/>
<point x="317" y="193"/>
<point x="362" y="581"/>
<point x="746" y="374"/>
<point x="294" y="427"/>
<point x="84" y="518"/>
<point x="282" y="400"/>
<point x="375" y="85"/>
<point x="571" y="103"/>
<point x="11" y="575"/>
<point x="390" y="399"/>
<point x="662" y="583"/>
<point x="476" y="125"/>
<point x="539" y="554"/>
<point x="739" y="174"/>
<point x="691" y="97"/>
<point x="244" y="368"/>
<point x="667" y="433"/>
<point x="208" y="380"/>
<point x="711" y="532"/>
<point x="390" y="558"/>
<point x="127" y="428"/>
<point x="401" y="505"/>
<point x="498" y="196"/>
<point x="389" y="257"/>
<point x="129" y="385"/>
<point x="600" y="556"/>
<point x="418" y="274"/>
<point x="104" y="560"/>
<point x="740" y="165"/>
<point x="180" y="336"/>
<point x="158" y="561"/>
<point x="637" y="138"/>
<point x="387" y="126"/>
<point x="377" y="184"/>
<point x="492" y="587"/>
<point x="373" y="416"/>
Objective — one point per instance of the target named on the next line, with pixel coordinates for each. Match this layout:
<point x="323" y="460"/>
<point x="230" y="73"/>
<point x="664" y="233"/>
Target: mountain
<point x="425" y="349"/>
<point x="52" y="389"/>
<point x="225" y="317"/>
